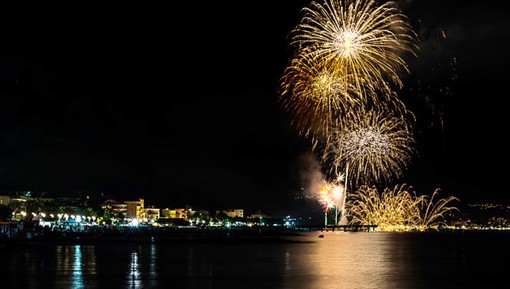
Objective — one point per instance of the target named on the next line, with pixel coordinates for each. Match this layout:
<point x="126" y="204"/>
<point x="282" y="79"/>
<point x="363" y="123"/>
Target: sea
<point x="335" y="260"/>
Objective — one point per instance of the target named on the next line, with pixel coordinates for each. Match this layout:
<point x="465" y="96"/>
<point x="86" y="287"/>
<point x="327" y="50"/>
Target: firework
<point x="325" y="198"/>
<point x="373" y="146"/>
<point x="316" y="95"/>
<point x="398" y="209"/>
<point x="358" y="36"/>
<point x="392" y="209"/>
<point x="331" y="196"/>
<point x="431" y="212"/>
<point x="338" y="92"/>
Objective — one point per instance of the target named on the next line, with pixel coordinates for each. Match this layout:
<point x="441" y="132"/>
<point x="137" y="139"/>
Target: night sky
<point x="177" y="103"/>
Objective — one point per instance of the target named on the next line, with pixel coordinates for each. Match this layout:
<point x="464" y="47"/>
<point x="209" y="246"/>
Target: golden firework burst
<point x="365" y="39"/>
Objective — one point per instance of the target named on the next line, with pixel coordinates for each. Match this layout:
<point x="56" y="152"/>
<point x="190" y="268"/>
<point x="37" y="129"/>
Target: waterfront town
<point x="31" y="215"/>
<point x="27" y="215"/>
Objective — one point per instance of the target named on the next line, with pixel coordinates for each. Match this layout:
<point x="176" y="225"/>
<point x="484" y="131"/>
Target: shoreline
<point x="158" y="235"/>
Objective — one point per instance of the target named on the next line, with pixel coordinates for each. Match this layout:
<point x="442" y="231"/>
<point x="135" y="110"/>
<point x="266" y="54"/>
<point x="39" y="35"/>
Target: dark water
<point x="339" y="260"/>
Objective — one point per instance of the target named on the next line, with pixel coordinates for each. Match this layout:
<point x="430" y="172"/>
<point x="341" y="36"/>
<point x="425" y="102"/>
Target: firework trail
<point x="432" y="84"/>
<point x="431" y="212"/>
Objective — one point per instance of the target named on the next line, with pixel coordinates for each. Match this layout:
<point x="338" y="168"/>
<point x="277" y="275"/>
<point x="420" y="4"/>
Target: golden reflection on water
<point x="346" y="260"/>
<point x="340" y="260"/>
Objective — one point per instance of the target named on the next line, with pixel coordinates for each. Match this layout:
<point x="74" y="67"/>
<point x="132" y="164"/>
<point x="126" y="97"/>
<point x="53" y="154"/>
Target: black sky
<point x="177" y="103"/>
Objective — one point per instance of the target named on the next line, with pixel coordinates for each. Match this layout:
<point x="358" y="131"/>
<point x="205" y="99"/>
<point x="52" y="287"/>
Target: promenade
<point x="157" y="235"/>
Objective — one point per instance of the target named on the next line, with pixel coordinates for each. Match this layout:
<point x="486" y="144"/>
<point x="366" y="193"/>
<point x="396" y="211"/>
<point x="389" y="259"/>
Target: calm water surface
<point x="339" y="260"/>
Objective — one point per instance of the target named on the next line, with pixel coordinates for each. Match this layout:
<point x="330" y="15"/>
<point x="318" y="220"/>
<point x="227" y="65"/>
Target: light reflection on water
<point x="133" y="272"/>
<point x="77" y="276"/>
<point x="346" y="260"/>
<point x="74" y="265"/>
<point x="142" y="273"/>
<point x="339" y="260"/>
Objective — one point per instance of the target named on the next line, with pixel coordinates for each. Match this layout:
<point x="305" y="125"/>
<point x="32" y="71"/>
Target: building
<point x="135" y="210"/>
<point x="119" y="208"/>
<point x="152" y="213"/>
<point x="232" y="213"/>
<point x="179" y="213"/>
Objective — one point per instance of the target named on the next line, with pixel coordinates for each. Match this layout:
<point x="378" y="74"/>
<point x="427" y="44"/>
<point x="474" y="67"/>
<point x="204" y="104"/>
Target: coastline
<point x="161" y="235"/>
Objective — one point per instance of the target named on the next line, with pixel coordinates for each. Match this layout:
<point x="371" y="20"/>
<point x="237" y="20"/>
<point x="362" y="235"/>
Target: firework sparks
<point x="392" y="209"/>
<point x="325" y="198"/>
<point x="375" y="145"/>
<point x="316" y="95"/>
<point x="366" y="39"/>
<point x="398" y="209"/>
<point x="338" y="91"/>
<point x="331" y="196"/>
<point x="431" y="212"/>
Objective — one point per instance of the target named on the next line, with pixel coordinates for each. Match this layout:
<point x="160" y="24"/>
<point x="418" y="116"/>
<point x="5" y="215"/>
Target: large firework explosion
<point x="346" y="51"/>
<point x="398" y="209"/>
<point x="359" y="36"/>
<point x="316" y="95"/>
<point x="373" y="146"/>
